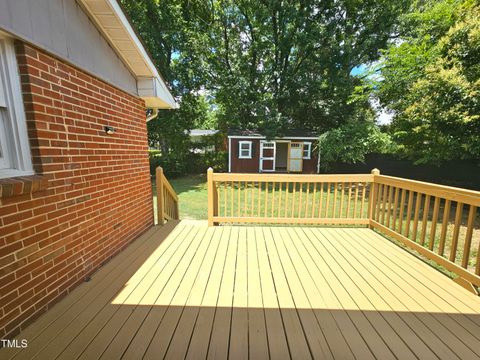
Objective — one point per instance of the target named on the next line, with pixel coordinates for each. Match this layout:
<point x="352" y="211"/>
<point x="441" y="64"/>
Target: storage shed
<point x="251" y="152"/>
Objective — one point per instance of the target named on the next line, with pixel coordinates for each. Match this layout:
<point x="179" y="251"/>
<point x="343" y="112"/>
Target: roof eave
<point x="115" y="26"/>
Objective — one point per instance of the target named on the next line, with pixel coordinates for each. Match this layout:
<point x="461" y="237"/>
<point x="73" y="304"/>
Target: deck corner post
<point x="160" y="202"/>
<point x="372" y="197"/>
<point x="210" y="196"/>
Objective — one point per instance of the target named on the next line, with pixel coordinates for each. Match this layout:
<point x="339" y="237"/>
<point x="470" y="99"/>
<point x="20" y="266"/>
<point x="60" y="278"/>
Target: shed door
<point x="267" y="156"/>
<point x="295" y="157"/>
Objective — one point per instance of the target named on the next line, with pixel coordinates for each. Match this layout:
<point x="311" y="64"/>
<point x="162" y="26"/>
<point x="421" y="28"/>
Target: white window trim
<point x="309" y="144"/>
<point x="240" y="143"/>
<point x="18" y="148"/>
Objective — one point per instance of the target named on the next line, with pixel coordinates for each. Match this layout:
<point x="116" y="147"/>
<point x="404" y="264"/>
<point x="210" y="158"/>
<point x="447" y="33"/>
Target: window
<point x="245" y="150"/>
<point x="307" y="150"/>
<point x="15" y="157"/>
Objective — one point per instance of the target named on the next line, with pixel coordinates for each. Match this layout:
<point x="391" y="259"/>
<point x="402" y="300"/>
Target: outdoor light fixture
<point x="109" y="130"/>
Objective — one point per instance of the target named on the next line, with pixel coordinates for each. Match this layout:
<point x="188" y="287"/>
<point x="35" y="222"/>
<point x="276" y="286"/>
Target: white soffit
<point x="110" y="18"/>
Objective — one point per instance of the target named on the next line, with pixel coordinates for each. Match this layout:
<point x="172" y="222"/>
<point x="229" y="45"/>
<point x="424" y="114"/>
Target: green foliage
<point x="275" y="65"/>
<point x="350" y="143"/>
<point x="432" y="83"/>
<point x="168" y="32"/>
<point x="267" y="65"/>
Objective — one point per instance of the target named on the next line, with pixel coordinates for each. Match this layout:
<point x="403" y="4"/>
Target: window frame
<point x="309" y="145"/>
<point x="15" y="145"/>
<point x="245" y="142"/>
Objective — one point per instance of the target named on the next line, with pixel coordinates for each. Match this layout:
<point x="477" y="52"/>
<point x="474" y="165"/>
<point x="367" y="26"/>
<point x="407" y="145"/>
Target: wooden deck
<point x="260" y="292"/>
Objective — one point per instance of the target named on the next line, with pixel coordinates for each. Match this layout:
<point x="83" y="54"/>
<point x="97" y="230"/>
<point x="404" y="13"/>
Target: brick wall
<point x="93" y="199"/>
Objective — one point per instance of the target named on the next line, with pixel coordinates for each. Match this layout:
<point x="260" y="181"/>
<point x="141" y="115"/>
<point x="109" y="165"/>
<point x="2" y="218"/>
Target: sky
<point x="383" y="117"/>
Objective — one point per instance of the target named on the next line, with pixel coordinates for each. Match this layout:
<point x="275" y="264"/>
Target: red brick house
<point x="75" y="83"/>
<point x="251" y="152"/>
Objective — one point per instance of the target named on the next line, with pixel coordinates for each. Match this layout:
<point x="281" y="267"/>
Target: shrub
<point x="176" y="165"/>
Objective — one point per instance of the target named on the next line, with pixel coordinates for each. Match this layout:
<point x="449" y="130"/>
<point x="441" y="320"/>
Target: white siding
<point x="62" y="28"/>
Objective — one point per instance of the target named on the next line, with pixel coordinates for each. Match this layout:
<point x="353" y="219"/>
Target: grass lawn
<point x="192" y="196"/>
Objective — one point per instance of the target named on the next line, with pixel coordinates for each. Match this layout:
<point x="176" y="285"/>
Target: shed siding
<point x="252" y="165"/>
<point x="245" y="165"/>
<point x="62" y="28"/>
<point x="95" y="195"/>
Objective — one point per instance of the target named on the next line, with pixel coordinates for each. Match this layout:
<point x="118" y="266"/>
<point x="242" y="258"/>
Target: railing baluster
<point x="415" y="217"/>
<point x="327" y="205"/>
<point x="224" y="213"/>
<point x="245" y="198"/>
<point x="232" y="208"/>
<point x="252" y="195"/>
<point x="477" y="265"/>
<point x="379" y="201"/>
<point x="320" y="203"/>
<point x="279" y="198"/>
<point x="347" y="215"/>
<point x="306" y="199"/>
<point x="384" y="203"/>
<point x="402" y="209"/>
<point x="409" y="213"/>
<point x="456" y="232"/>
<point x="426" y="208"/>
<point x="300" y="200"/>
<point x="342" y="191"/>
<point x="273" y="197"/>
<point x="356" y="200"/>
<point x="443" y="234"/>
<point x="314" y="200"/>
<point x="265" y="198"/>
<point x="362" y="205"/>
<point x="335" y="190"/>
<point x="395" y="208"/>
<point x="259" y="197"/>
<point x="293" y="199"/>
<point x="433" y="227"/>
<point x="389" y="211"/>
<point x="468" y="236"/>
<point x="287" y="192"/>
<point x="238" y="198"/>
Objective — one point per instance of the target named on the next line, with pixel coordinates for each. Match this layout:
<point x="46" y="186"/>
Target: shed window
<point x="307" y="150"/>
<point x="15" y="157"/>
<point x="245" y="150"/>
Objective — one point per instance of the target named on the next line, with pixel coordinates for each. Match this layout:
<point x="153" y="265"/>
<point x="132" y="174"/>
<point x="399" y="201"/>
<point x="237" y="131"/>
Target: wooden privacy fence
<point x="167" y="199"/>
<point x="437" y="221"/>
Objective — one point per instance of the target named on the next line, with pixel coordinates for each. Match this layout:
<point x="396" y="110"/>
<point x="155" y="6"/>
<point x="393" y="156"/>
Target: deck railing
<point x="428" y="218"/>
<point x="437" y="221"/>
<point x="288" y="199"/>
<point x="167" y="199"/>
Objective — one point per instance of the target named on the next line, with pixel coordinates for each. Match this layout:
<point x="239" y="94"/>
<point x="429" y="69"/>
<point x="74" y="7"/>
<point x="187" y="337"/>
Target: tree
<point x="350" y="142"/>
<point x="432" y="82"/>
<point x="267" y="64"/>
<point x="274" y="65"/>
<point x="168" y="33"/>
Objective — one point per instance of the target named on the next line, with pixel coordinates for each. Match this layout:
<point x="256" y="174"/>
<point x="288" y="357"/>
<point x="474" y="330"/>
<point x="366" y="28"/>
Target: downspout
<point x="153" y="115"/>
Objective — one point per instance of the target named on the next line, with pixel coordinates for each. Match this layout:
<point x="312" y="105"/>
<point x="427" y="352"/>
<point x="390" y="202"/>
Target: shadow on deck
<point x="188" y="290"/>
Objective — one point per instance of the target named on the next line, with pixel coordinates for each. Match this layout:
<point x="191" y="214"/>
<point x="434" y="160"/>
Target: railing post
<point x="210" y="196"/>
<point x="372" y="197"/>
<point x="160" y="201"/>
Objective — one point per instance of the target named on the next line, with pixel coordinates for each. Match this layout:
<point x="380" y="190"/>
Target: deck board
<point x="190" y="291"/>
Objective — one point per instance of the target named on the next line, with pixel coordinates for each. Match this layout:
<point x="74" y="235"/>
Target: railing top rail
<point x="464" y="196"/>
<point x="299" y="178"/>
<point x="169" y="188"/>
